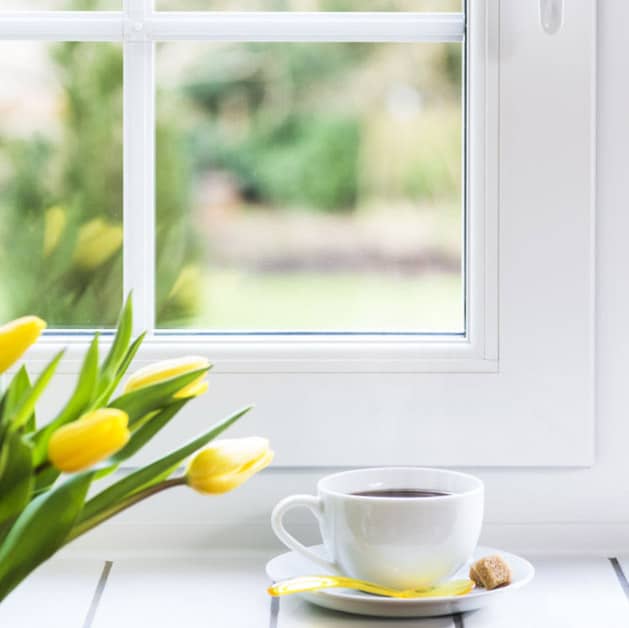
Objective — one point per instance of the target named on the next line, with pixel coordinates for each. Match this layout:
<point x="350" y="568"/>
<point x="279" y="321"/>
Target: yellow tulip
<point x="160" y="371"/>
<point x="16" y="337"/>
<point x="227" y="464"/>
<point x="96" y="243"/>
<point x="94" y="437"/>
<point x="55" y="220"/>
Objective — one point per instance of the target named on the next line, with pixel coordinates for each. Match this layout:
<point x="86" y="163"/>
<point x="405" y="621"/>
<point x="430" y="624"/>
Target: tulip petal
<point x="227" y="464"/>
<point x="196" y="389"/>
<point x="156" y="471"/>
<point x="89" y="440"/>
<point x="16" y="337"/>
<point x="154" y="397"/>
<point x="75" y="406"/>
<point x="166" y="369"/>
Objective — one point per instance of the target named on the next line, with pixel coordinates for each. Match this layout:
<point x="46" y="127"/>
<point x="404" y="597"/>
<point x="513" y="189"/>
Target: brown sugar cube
<point x="490" y="572"/>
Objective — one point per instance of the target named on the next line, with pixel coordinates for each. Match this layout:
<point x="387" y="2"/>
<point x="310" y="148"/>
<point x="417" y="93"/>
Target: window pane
<point x="309" y="187"/>
<point x="308" y="5"/>
<point x="61" y="182"/>
<point x="53" y="5"/>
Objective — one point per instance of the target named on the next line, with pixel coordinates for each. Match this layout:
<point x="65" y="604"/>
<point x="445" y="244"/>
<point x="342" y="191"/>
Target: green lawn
<point x="235" y="300"/>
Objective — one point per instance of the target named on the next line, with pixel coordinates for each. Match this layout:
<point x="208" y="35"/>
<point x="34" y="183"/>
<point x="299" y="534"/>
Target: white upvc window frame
<point x="139" y="26"/>
<point x="518" y="388"/>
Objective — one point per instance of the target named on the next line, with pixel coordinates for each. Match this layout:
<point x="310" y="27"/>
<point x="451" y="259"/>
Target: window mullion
<point x="139" y="165"/>
<point x="61" y="25"/>
<point x="302" y="26"/>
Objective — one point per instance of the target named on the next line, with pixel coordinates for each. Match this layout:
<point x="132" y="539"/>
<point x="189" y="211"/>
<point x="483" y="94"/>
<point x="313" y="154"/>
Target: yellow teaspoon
<point x="316" y="583"/>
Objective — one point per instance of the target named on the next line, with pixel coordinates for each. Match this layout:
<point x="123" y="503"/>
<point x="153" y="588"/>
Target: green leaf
<point x="16" y="481"/>
<point x="19" y="387"/>
<point x="41" y="530"/>
<point x="147" y="431"/>
<point x="119" y="346"/>
<point x="45" y="477"/>
<point x="5" y="528"/>
<point x="151" y="424"/>
<point x="140" y="402"/>
<point x="27" y="405"/>
<point x="78" y="403"/>
<point x="152" y="473"/>
<point x="103" y="397"/>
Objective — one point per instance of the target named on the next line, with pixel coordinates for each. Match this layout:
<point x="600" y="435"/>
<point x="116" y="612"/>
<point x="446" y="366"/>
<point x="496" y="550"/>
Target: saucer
<point x="292" y="565"/>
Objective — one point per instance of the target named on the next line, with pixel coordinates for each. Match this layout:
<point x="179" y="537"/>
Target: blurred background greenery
<point x="299" y="186"/>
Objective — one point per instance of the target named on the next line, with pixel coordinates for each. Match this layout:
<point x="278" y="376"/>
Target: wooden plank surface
<point x="227" y="591"/>
<point x="623" y="562"/>
<point x="621" y="567"/>
<point x="57" y="595"/>
<point x="565" y="593"/>
<point x="296" y="613"/>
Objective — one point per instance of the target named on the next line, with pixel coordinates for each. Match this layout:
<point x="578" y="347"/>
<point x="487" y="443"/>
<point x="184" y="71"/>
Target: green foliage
<point x="40" y="510"/>
<point x="307" y="161"/>
<point x="16" y="480"/>
<point x="75" y="406"/>
<point x="431" y="178"/>
<point x="452" y="64"/>
<point x="41" y="530"/>
<point x="18" y="389"/>
<point x="26" y="407"/>
<point x="152" y="424"/>
<point x="114" y="496"/>
<point x="301" y="157"/>
<point x="78" y="173"/>
<point x="315" y="163"/>
<point x="138" y="403"/>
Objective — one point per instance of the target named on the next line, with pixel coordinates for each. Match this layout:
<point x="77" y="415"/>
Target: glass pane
<point x="53" y="5"/>
<point x="312" y="187"/>
<point x="61" y="182"/>
<point x="309" y="5"/>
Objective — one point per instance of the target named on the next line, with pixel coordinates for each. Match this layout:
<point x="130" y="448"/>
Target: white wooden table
<point x="228" y="590"/>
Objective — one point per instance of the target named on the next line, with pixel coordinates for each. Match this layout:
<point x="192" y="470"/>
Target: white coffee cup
<point x="403" y="542"/>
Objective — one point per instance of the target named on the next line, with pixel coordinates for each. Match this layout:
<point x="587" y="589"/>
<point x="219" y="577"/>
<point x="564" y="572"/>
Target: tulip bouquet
<point x="48" y="475"/>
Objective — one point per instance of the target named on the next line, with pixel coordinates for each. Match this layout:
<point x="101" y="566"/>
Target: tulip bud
<point x="160" y="371"/>
<point x="96" y="243"/>
<point x="227" y="464"/>
<point x="16" y="337"/>
<point x="55" y="220"/>
<point x="92" y="438"/>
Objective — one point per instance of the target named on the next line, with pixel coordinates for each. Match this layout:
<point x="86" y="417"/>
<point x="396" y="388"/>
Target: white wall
<point x="527" y="509"/>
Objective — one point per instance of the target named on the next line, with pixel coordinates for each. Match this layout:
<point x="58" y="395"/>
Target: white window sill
<point x="229" y="589"/>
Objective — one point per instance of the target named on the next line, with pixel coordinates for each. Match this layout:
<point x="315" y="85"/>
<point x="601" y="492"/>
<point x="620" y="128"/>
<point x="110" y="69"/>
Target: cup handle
<point x="316" y="508"/>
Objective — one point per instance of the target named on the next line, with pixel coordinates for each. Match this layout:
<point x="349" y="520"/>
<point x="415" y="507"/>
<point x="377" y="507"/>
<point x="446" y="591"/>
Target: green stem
<point x="44" y="466"/>
<point x="99" y="518"/>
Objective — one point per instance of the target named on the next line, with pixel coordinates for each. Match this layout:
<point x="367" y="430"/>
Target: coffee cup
<point x="403" y="527"/>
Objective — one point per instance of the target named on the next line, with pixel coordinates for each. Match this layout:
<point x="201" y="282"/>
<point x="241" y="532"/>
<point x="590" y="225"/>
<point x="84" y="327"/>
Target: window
<point x="61" y="181"/>
<point x="493" y="336"/>
<point x="309" y="187"/>
<point x="300" y="186"/>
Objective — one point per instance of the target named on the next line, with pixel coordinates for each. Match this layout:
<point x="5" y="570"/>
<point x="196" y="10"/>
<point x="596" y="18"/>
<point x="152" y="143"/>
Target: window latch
<point x="551" y="15"/>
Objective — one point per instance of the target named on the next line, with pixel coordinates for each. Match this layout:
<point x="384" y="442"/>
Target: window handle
<point x="551" y="15"/>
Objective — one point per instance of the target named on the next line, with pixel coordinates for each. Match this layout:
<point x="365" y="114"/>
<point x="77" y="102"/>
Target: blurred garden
<point x="298" y="186"/>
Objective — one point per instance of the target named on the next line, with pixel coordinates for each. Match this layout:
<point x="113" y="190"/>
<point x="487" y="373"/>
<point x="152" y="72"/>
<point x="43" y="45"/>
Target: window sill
<point x="294" y="353"/>
<point x="230" y="587"/>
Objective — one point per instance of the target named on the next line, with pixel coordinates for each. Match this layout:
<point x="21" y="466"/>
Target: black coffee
<point x="401" y="492"/>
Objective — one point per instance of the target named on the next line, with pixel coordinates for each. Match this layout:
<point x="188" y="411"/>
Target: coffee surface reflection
<point x="401" y="492"/>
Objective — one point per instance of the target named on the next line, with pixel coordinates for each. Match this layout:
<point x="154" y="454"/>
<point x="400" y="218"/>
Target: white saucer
<point x="291" y="565"/>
